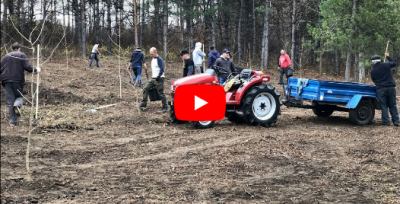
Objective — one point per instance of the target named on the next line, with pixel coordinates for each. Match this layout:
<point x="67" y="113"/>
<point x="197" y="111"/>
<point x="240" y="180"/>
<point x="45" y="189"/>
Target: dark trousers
<point x="94" y="57"/>
<point x="154" y="84"/>
<point x="13" y="95"/>
<point x="283" y="71"/>
<point x="137" y="74"/>
<point x="387" y="98"/>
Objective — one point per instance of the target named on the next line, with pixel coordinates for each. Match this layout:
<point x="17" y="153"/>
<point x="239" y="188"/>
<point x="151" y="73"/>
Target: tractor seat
<point x="211" y="72"/>
<point x="246" y="74"/>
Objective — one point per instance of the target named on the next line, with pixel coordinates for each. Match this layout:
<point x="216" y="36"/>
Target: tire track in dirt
<point x="199" y="146"/>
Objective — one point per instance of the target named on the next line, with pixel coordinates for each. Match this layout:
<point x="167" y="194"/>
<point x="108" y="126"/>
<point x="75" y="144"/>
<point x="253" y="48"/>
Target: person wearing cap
<point x="188" y="69"/>
<point x="136" y="63"/>
<point x="226" y="66"/>
<point x="93" y="55"/>
<point x="284" y="64"/>
<point x="198" y="58"/>
<point x="382" y="76"/>
<point x="13" y="66"/>
<point x="212" y="57"/>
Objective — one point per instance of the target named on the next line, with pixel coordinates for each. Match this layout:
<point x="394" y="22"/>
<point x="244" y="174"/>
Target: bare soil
<point x="122" y="155"/>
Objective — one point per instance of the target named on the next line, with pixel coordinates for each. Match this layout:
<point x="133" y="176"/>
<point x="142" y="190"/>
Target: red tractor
<point x="250" y="99"/>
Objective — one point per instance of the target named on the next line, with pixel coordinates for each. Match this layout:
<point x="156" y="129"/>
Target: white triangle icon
<point x="198" y="102"/>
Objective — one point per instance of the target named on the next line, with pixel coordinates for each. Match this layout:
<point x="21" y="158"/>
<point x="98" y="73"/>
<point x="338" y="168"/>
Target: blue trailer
<point x="325" y="97"/>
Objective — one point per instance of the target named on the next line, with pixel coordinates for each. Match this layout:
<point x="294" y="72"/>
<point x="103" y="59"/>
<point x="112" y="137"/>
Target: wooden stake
<point x="204" y="62"/>
<point x="37" y="83"/>
<point x="119" y="57"/>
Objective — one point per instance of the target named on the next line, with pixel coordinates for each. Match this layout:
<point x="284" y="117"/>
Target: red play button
<point x="199" y="102"/>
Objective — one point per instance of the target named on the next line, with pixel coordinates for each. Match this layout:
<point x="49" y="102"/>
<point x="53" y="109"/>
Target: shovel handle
<point x="387" y="46"/>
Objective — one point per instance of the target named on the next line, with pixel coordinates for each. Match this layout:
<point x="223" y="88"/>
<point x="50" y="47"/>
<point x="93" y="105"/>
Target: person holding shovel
<point x="13" y="66"/>
<point x="156" y="81"/>
<point x="382" y="76"/>
<point x="136" y="62"/>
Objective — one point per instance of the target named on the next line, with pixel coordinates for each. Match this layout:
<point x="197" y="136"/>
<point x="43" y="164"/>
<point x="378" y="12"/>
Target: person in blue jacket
<point x="136" y="62"/>
<point x="212" y="57"/>
<point x="382" y="76"/>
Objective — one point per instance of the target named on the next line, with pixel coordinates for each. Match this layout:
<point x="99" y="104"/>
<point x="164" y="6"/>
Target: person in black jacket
<point x="188" y="69"/>
<point x="382" y="76"/>
<point x="226" y="65"/>
<point x="13" y="66"/>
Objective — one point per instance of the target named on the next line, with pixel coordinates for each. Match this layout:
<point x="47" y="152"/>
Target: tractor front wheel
<point x="173" y="116"/>
<point x="203" y="124"/>
<point x="261" y="105"/>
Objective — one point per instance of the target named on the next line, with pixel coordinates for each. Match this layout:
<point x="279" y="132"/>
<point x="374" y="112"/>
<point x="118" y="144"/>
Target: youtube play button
<point x="199" y="102"/>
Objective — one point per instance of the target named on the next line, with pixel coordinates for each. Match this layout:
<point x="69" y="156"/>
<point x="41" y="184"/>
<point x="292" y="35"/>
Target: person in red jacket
<point x="284" y="64"/>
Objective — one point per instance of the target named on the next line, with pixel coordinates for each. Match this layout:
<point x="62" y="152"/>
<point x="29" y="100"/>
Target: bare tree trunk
<point x="157" y="20"/>
<point x="32" y="11"/>
<point x="191" y="31"/>
<point x="4" y="26"/>
<point x="135" y="16"/>
<point x="337" y="62"/>
<point x="116" y="28"/>
<point x="78" y="27"/>
<point x="293" y="34"/>
<point x="182" y="25"/>
<point x="44" y="29"/>
<point x="83" y="28"/>
<point x="350" y="45"/>
<point x="321" y="54"/>
<point x="212" y="22"/>
<point x="253" y="51"/>
<point x="265" y="47"/>
<point x="356" y="61"/>
<point x="22" y="20"/>
<point x="97" y="22"/>
<point x="238" y="32"/>
<point x="69" y="16"/>
<point x="165" y="29"/>
<point x="361" y="66"/>
<point x="63" y="11"/>
<point x="142" y="25"/>
<point x="109" y="27"/>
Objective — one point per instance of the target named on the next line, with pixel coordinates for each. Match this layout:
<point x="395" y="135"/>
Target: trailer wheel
<point x="261" y="105"/>
<point x="235" y="118"/>
<point x="363" y="114"/>
<point x="203" y="124"/>
<point x="322" y="111"/>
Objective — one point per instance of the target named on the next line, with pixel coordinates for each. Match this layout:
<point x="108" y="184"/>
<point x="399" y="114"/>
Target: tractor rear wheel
<point x="235" y="118"/>
<point x="261" y="105"/>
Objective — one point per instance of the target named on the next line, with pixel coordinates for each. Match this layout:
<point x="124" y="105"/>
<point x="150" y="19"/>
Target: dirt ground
<point x="121" y="155"/>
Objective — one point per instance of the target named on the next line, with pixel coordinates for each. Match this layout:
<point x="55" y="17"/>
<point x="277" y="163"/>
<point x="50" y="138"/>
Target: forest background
<point x="333" y="36"/>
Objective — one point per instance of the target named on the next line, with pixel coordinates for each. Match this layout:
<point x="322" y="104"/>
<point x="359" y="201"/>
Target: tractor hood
<point x="196" y="79"/>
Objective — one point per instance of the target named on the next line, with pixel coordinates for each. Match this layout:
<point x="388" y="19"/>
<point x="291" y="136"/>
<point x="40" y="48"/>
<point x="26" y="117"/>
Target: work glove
<point x="37" y="69"/>
<point x="158" y="78"/>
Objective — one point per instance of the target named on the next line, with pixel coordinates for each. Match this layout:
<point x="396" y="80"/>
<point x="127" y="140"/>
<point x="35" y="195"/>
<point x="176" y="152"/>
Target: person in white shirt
<point x="93" y="55"/>
<point x="198" y="58"/>
<point x="156" y="81"/>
